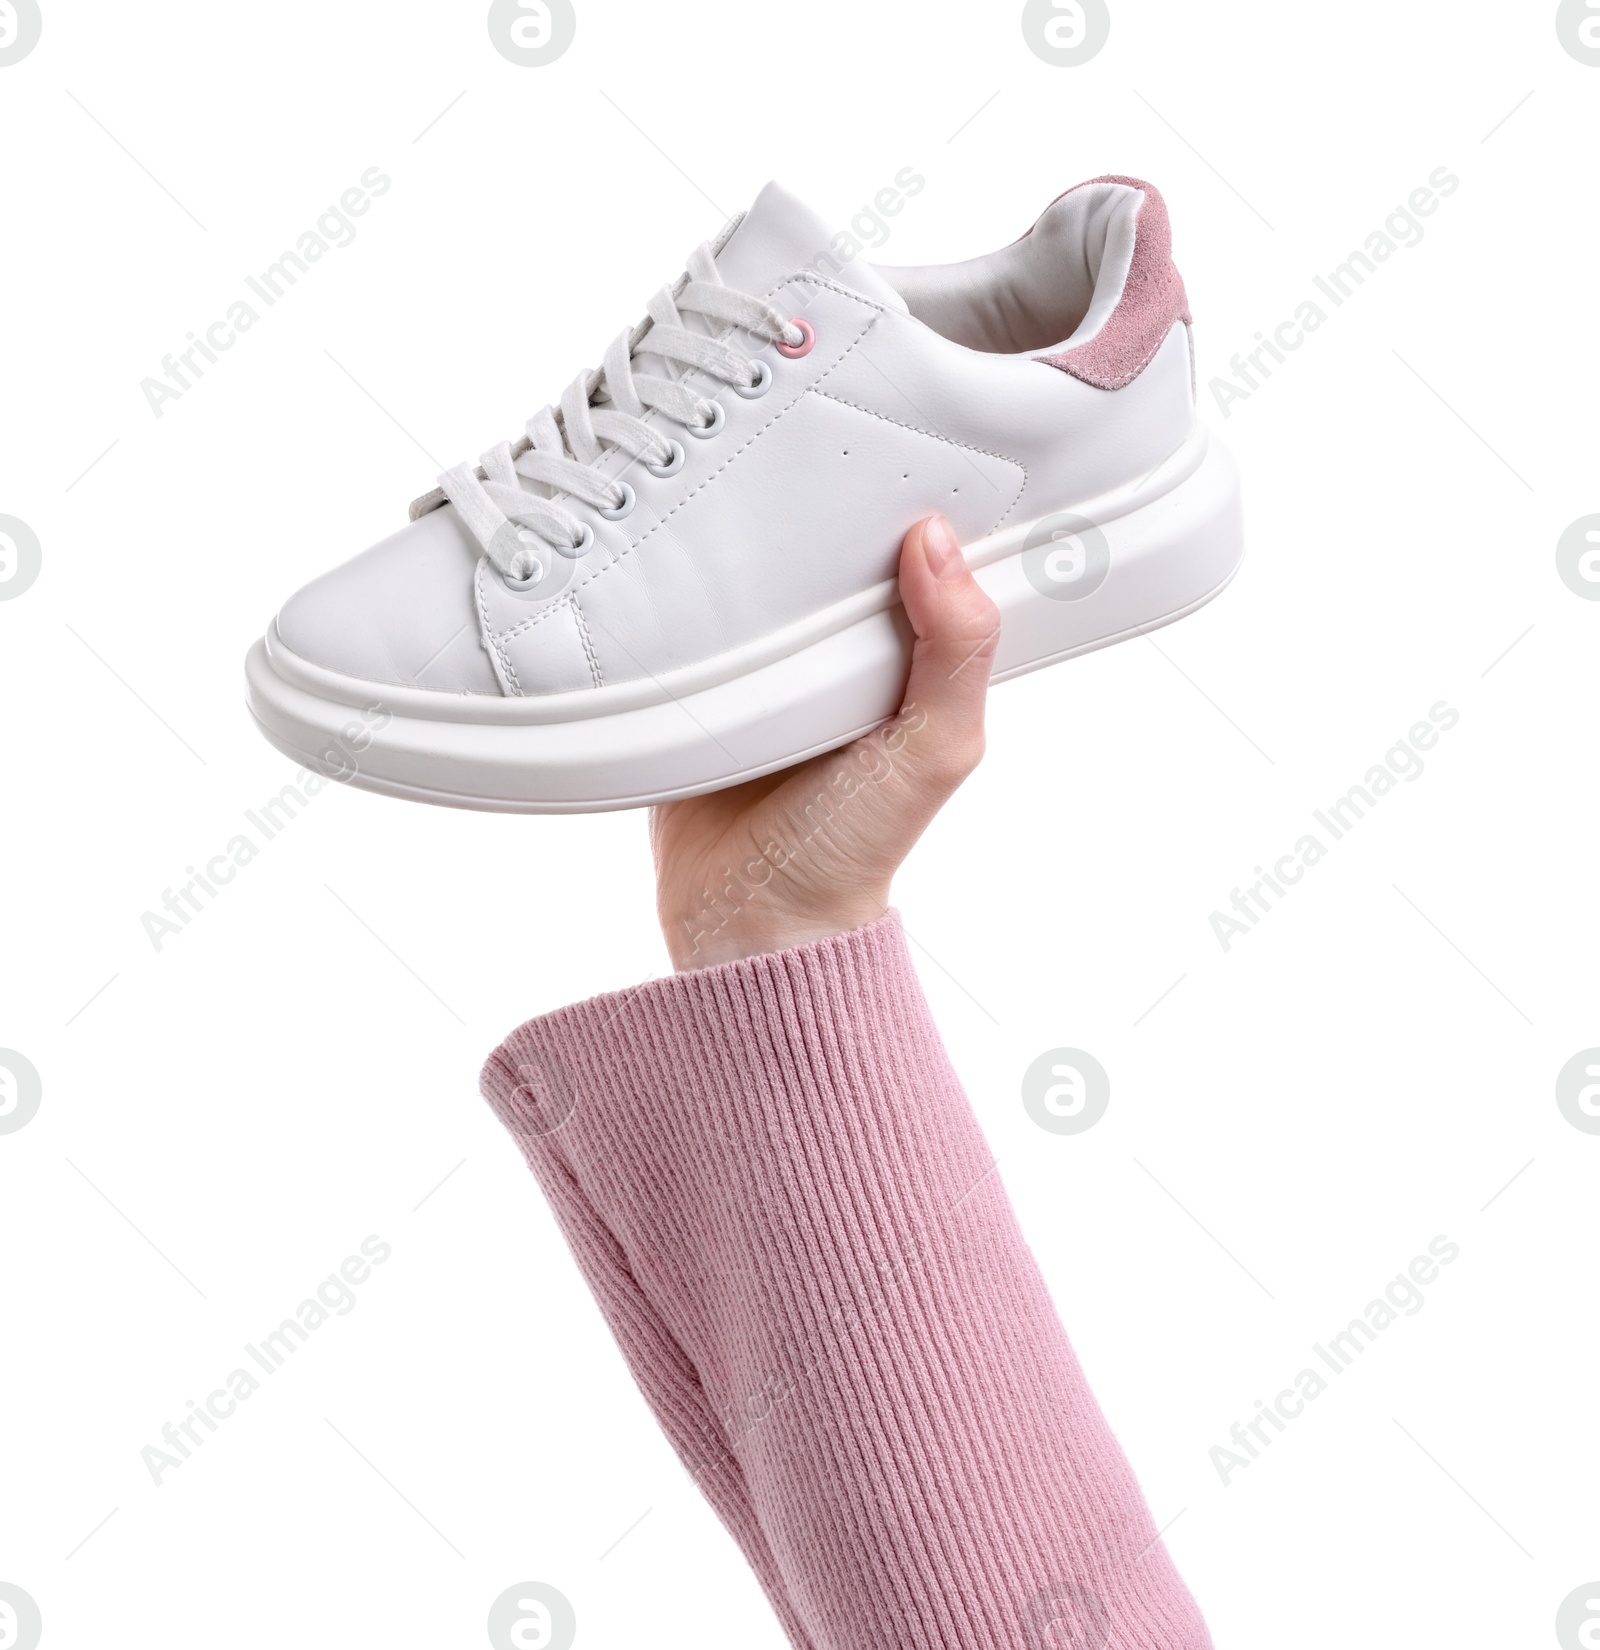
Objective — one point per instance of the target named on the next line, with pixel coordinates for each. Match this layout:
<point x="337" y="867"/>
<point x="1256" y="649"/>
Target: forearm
<point x="773" y="1179"/>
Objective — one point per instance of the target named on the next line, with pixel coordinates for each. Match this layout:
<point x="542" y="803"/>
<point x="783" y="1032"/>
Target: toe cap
<point x="403" y="613"/>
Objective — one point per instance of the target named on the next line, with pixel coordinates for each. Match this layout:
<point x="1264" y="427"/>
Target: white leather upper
<point x="401" y="612"/>
<point x="797" y="503"/>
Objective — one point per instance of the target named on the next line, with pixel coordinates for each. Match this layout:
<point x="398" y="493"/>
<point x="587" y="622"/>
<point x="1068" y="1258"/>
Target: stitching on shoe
<point x="510" y="669"/>
<point x="538" y="618"/>
<point x="933" y="435"/>
<point x="588" y="643"/>
<point x="509" y="676"/>
<point x="1099" y="381"/>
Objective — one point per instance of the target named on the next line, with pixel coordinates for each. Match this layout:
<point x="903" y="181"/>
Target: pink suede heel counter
<point x="1153" y="300"/>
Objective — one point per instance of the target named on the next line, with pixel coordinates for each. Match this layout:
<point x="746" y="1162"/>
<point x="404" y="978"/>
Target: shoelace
<point x="605" y="407"/>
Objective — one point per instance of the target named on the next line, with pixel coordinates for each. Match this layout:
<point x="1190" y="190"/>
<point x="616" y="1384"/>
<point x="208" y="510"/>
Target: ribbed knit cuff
<point x="773" y="1182"/>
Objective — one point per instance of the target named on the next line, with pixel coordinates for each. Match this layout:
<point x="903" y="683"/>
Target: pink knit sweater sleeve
<point x="776" y="1188"/>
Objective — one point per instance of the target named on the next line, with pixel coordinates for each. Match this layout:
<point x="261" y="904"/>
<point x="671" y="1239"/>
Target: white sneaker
<point x="683" y="575"/>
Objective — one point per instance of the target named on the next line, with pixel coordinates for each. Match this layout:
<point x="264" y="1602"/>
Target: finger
<point x="957" y="631"/>
<point x="870" y="800"/>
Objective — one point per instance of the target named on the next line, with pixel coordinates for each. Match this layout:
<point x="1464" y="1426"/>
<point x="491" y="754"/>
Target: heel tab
<point x="1150" y="299"/>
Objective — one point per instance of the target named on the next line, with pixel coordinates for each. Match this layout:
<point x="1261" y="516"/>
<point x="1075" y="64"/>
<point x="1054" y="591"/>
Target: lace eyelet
<point x="535" y="568"/>
<point x="795" y="351"/>
<point x="582" y="548"/>
<point x="673" y="463"/>
<point x="719" y="417"/>
<point x="623" y="509"/>
<point x="762" y="384"/>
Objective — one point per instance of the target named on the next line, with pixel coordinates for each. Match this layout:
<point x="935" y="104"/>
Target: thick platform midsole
<point x="749" y="713"/>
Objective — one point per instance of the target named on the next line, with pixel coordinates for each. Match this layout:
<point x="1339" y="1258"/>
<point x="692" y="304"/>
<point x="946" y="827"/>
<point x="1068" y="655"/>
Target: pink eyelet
<point x="795" y="351"/>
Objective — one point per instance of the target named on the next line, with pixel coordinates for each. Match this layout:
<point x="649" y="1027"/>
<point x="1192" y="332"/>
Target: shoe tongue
<point x="779" y="236"/>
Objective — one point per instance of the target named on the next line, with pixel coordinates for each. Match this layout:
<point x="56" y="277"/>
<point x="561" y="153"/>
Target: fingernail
<point x="940" y="547"/>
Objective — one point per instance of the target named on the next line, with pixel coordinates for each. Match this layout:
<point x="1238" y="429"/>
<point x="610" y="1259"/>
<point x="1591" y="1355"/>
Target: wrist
<point x="712" y="937"/>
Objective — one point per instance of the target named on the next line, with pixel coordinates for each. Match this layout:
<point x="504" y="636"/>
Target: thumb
<point x="957" y="631"/>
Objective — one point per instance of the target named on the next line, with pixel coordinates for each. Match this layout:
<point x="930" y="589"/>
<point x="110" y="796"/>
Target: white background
<point x="229" y="1117"/>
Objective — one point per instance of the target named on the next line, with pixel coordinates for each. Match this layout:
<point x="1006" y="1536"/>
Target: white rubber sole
<point x="1158" y="551"/>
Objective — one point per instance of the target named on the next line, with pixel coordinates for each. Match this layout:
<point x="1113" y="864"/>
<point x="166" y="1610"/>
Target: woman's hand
<point x="810" y="851"/>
